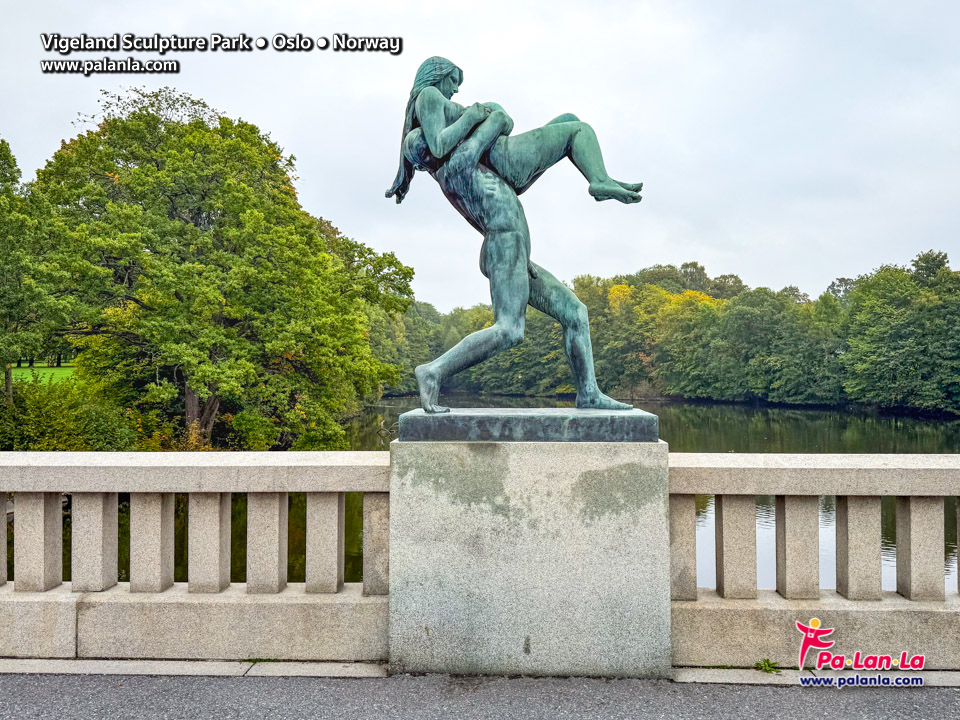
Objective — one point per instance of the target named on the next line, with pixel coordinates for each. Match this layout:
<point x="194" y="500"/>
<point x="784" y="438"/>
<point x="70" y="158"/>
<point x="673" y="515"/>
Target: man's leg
<point x="506" y="266"/>
<point x="549" y="295"/>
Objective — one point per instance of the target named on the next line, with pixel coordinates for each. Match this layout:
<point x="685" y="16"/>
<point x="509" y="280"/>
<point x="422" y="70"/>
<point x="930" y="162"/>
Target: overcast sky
<point x="788" y="142"/>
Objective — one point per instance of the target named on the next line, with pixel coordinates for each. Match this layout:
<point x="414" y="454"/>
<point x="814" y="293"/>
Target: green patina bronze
<point x="481" y="169"/>
<point x="497" y="425"/>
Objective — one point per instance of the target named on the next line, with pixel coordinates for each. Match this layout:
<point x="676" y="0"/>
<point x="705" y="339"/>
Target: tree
<point x="695" y="277"/>
<point x="30" y="307"/>
<point x="537" y="366"/>
<point x="680" y="334"/>
<point x="807" y="355"/>
<point x="841" y="287"/>
<point x="667" y="277"/>
<point x="621" y="358"/>
<point x="206" y="289"/>
<point x="893" y="324"/>
<point x="927" y="264"/>
<point x="406" y="340"/>
<point x="725" y="287"/>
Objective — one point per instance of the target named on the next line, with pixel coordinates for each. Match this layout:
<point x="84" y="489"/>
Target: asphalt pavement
<point x="63" y="697"/>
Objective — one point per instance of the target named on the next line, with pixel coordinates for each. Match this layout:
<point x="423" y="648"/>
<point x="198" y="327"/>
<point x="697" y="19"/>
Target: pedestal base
<point x="529" y="425"/>
<point x="534" y="558"/>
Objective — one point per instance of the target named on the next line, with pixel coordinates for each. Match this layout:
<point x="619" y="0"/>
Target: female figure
<point x="481" y="175"/>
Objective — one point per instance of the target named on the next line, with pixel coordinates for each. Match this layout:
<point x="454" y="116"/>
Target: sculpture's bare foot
<point x="599" y="401"/>
<point x="612" y="190"/>
<point x="632" y="187"/>
<point x="429" y="385"/>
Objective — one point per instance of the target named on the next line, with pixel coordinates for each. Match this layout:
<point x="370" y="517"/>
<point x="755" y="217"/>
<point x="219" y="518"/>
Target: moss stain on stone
<point x="612" y="491"/>
<point x="477" y="479"/>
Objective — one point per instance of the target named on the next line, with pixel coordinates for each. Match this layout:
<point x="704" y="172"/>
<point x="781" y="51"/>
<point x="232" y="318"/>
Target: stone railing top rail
<point x="813" y="474"/>
<point x="332" y="471"/>
<point x="369" y="471"/>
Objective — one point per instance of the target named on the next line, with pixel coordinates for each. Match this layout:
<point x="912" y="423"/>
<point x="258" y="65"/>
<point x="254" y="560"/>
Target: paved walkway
<point x="437" y="696"/>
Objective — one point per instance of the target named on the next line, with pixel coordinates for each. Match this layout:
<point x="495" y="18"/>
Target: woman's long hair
<point x="430" y="73"/>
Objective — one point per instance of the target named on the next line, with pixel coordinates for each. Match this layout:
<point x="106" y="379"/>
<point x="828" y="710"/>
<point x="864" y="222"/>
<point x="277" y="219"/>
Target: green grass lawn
<point x="45" y="373"/>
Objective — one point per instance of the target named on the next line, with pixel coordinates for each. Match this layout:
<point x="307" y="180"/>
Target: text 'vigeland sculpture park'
<point x="481" y="169"/>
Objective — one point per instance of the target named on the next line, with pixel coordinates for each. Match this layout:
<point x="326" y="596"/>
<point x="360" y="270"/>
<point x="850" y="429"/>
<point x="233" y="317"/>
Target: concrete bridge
<point x="324" y="619"/>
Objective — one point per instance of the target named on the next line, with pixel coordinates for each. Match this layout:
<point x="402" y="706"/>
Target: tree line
<point x="889" y="338"/>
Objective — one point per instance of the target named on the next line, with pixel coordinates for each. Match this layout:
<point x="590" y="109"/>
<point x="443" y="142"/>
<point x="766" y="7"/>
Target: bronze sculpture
<point x="481" y="170"/>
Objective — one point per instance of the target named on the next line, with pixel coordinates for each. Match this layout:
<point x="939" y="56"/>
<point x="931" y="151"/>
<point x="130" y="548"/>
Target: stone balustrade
<point x="324" y="618"/>
<point x="737" y="624"/>
<point x="206" y="617"/>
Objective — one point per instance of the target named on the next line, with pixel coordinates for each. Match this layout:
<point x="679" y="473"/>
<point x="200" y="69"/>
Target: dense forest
<point x="889" y="338"/>
<point x="163" y="250"/>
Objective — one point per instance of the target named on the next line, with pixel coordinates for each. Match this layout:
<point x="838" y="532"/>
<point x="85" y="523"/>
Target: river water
<point x="696" y="427"/>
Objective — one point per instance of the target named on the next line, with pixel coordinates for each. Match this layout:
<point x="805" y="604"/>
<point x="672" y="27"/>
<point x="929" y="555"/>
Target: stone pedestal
<point x="532" y="558"/>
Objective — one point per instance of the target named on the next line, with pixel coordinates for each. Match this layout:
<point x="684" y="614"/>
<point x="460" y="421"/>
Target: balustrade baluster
<point x="151" y="541"/>
<point x="208" y="546"/>
<point x="859" y="560"/>
<point x="93" y="565"/>
<point x="37" y="541"/>
<point x="736" y="545"/>
<point x="267" y="551"/>
<point x="798" y="546"/>
<point x="683" y="547"/>
<point x="376" y="543"/>
<point x="325" y="542"/>
<point x="920" y="548"/>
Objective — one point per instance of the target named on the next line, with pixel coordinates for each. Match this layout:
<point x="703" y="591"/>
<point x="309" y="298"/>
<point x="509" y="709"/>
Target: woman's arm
<point x="509" y="126"/>
<point x="497" y="123"/>
<point x="442" y="139"/>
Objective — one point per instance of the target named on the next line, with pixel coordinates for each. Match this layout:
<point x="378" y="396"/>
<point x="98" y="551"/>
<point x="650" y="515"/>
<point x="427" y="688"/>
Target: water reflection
<point x="690" y="427"/>
<point x="767" y="543"/>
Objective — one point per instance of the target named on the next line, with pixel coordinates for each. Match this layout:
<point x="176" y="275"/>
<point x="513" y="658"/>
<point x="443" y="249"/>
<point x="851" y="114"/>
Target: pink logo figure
<point x="813" y="636"/>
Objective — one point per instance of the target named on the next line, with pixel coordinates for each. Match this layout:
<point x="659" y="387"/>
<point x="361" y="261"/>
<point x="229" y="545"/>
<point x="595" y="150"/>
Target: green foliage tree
<point x="903" y="327"/>
<point x="207" y="291"/>
<point x="681" y="327"/>
<point x="621" y="352"/>
<point x="726" y="286"/>
<point x="537" y="366"/>
<point x="31" y="263"/>
<point x="406" y="340"/>
<point x="841" y="287"/>
<point x="806" y="355"/>
<point x="927" y="265"/>
<point x="667" y="277"/>
<point x="695" y="277"/>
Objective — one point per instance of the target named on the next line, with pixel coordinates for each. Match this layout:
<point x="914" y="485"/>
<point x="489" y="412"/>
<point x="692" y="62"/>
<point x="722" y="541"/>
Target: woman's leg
<point x="506" y="266"/>
<point x="521" y="159"/>
<point x="549" y="295"/>
<point x="570" y="117"/>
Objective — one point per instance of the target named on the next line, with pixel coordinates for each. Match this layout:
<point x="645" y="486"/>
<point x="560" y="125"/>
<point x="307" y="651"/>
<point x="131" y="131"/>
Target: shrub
<point x="67" y="415"/>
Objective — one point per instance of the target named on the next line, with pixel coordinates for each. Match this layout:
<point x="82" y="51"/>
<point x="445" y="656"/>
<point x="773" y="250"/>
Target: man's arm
<point x="442" y="140"/>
